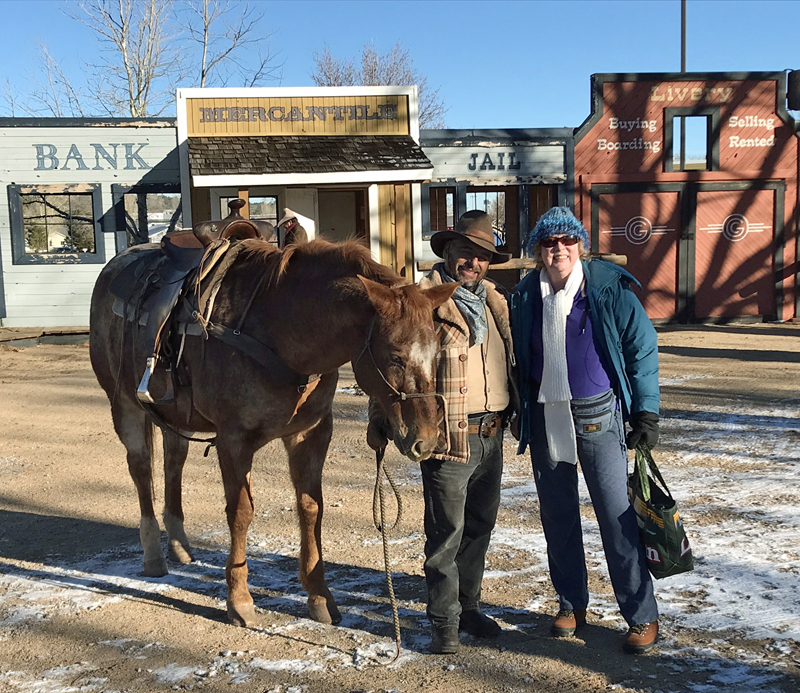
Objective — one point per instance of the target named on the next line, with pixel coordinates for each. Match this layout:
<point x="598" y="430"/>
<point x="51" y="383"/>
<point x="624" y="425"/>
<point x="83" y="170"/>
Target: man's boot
<point x="444" y="639"/>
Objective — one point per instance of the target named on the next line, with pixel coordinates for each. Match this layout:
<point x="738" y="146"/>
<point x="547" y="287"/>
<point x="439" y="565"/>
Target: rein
<point x="378" y="501"/>
<point x="378" y="504"/>
<point x="396" y="394"/>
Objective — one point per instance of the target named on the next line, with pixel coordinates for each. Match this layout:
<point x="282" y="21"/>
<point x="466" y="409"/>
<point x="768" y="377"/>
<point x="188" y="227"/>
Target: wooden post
<point x="400" y="229"/>
<point x="244" y="194"/>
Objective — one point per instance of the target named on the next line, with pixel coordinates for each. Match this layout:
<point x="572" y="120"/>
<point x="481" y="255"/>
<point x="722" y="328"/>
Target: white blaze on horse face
<point x="421" y="358"/>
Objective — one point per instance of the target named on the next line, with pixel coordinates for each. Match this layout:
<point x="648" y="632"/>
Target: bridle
<point x="397" y="395"/>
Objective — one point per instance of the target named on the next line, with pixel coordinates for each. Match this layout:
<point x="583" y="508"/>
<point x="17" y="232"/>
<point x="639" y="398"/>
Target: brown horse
<point x="321" y="305"/>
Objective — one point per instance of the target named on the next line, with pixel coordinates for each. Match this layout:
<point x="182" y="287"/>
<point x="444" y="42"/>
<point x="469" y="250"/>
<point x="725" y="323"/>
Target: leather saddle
<point x="148" y="289"/>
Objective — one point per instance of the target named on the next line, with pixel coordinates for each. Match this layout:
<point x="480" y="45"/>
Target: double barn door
<point x="702" y="251"/>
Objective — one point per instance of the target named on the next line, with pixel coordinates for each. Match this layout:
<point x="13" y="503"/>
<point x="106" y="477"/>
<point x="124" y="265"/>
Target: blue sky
<point x="496" y="64"/>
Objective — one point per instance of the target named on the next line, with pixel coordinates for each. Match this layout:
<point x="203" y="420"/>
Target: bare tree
<point x="11" y="98"/>
<point x="224" y="32"/>
<point x="139" y="68"/>
<point x="392" y="68"/>
<point x="53" y="93"/>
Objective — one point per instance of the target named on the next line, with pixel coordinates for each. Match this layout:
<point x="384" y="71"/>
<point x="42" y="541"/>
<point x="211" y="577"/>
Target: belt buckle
<point x="488" y="428"/>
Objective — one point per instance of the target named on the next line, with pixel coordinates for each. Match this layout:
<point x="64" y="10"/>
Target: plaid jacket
<point x="451" y="366"/>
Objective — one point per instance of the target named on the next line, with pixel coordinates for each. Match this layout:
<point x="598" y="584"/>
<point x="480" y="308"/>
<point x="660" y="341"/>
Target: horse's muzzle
<point x="414" y="447"/>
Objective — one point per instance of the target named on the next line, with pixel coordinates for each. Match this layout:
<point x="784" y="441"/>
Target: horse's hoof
<point x="156" y="567"/>
<point x="323" y="610"/>
<point x="243" y="615"/>
<point x="180" y="553"/>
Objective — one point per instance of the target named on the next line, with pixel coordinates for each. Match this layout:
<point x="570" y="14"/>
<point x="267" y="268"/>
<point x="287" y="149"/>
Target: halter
<point x="396" y="394"/>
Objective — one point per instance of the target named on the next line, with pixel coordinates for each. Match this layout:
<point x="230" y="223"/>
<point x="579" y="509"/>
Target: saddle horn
<point x="234" y="226"/>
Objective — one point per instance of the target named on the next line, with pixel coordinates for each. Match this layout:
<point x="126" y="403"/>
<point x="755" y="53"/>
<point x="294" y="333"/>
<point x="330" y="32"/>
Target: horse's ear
<point x="440" y="293"/>
<point x="379" y="294"/>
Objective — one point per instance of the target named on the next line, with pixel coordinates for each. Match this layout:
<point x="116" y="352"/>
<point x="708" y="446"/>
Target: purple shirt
<point x="586" y="374"/>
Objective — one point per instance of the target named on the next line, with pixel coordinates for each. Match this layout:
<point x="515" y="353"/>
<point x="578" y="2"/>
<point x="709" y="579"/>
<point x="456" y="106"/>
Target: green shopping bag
<point x="660" y="525"/>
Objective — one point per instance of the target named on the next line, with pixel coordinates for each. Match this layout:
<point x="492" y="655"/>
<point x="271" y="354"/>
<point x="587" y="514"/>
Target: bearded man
<point x="461" y="480"/>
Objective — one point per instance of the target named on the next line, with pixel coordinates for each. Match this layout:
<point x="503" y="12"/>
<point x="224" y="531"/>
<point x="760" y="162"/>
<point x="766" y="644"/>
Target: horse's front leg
<point x="235" y="461"/>
<point x="175" y="450"/>
<point x="307" y="451"/>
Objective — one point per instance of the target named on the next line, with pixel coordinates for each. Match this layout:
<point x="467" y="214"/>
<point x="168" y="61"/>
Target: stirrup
<point x="143" y="392"/>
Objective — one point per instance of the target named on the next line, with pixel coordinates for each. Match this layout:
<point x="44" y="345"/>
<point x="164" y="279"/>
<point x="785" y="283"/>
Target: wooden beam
<point x="244" y="194"/>
<point x="519" y="263"/>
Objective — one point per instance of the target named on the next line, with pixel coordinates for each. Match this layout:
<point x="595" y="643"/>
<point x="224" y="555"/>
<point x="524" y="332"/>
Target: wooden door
<point x="645" y="227"/>
<point x="734" y="252"/>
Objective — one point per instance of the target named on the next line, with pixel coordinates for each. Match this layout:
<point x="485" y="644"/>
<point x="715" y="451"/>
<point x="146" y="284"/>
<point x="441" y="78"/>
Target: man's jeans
<point x="461" y="502"/>
<point x="604" y="462"/>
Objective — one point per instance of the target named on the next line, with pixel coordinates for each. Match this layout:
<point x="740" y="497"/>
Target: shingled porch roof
<point x="272" y="156"/>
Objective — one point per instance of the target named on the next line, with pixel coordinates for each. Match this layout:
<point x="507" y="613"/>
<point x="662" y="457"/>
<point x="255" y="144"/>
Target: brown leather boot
<point x="567" y="622"/>
<point x="641" y="637"/>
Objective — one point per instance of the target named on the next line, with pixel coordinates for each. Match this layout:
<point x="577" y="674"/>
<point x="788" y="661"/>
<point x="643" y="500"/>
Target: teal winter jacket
<point x="623" y="336"/>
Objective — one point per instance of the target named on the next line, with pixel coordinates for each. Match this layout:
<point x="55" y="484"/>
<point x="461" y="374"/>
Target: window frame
<point x="712" y="136"/>
<point x="18" y="254"/>
<point x="497" y="189"/>
<point x="118" y="192"/>
<point x="427" y="231"/>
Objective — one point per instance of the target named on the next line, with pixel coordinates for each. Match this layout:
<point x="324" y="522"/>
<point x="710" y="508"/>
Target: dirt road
<point x="77" y="615"/>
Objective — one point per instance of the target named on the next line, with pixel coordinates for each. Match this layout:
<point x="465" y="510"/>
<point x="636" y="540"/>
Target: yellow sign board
<point x="328" y="115"/>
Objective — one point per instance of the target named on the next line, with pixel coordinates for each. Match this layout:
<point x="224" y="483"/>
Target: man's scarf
<point x="554" y="391"/>
<point x="472" y="306"/>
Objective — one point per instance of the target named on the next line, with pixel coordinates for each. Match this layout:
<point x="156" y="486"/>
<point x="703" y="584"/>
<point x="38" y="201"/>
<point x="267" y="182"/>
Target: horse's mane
<point x="350" y="256"/>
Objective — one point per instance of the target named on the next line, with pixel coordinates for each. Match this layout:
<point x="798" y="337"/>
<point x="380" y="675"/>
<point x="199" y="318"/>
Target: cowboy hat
<point x="476" y="227"/>
<point x="288" y="215"/>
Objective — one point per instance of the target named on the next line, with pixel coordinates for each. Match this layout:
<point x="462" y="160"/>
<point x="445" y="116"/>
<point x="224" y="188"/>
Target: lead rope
<point x="378" y="517"/>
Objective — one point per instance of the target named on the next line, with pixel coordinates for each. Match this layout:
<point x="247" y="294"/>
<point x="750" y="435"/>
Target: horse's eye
<point x="398" y="361"/>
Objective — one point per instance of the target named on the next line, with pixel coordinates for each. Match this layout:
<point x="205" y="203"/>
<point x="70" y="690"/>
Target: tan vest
<point x="487" y="376"/>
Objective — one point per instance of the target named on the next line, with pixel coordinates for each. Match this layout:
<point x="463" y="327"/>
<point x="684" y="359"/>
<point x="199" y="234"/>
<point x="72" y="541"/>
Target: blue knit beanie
<point x="558" y="221"/>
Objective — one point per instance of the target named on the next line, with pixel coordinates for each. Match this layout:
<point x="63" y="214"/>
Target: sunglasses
<point x="553" y="241"/>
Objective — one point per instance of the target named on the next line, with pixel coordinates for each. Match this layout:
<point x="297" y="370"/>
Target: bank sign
<point x="126" y="156"/>
<point x="385" y="114"/>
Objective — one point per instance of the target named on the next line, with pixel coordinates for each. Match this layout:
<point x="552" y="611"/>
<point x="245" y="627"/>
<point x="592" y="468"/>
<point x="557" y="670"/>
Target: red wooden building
<point x="694" y="177"/>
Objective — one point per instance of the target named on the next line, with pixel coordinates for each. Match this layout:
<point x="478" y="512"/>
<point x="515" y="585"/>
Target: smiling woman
<point x="588" y="362"/>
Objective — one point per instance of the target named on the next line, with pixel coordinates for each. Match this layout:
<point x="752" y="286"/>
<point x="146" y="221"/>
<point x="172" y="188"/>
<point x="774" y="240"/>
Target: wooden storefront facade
<point x="76" y="192"/>
<point x="514" y="174"/>
<point x="712" y="237"/>
<point x="346" y="160"/>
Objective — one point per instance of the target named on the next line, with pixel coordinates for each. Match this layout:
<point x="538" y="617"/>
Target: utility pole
<point x="683" y="70"/>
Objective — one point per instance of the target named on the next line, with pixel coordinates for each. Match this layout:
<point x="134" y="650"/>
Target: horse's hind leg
<point x="136" y="433"/>
<point x="235" y="461"/>
<point x="307" y="452"/>
<point x="175" y="450"/>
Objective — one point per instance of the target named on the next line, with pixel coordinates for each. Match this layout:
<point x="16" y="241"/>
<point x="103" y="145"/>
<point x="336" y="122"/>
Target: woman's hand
<point x="644" y="425"/>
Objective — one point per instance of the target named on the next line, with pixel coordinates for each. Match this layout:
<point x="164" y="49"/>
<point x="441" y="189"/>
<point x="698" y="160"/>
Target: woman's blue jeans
<point x="604" y="463"/>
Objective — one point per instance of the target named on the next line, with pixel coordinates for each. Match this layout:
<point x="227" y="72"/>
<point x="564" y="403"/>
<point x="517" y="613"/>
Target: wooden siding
<point x="634" y="116"/>
<point x="39" y="295"/>
<point x="309" y="116"/>
<point x="542" y="198"/>
<point x="201" y="205"/>
<point x="395" y="233"/>
<point x="386" y="229"/>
